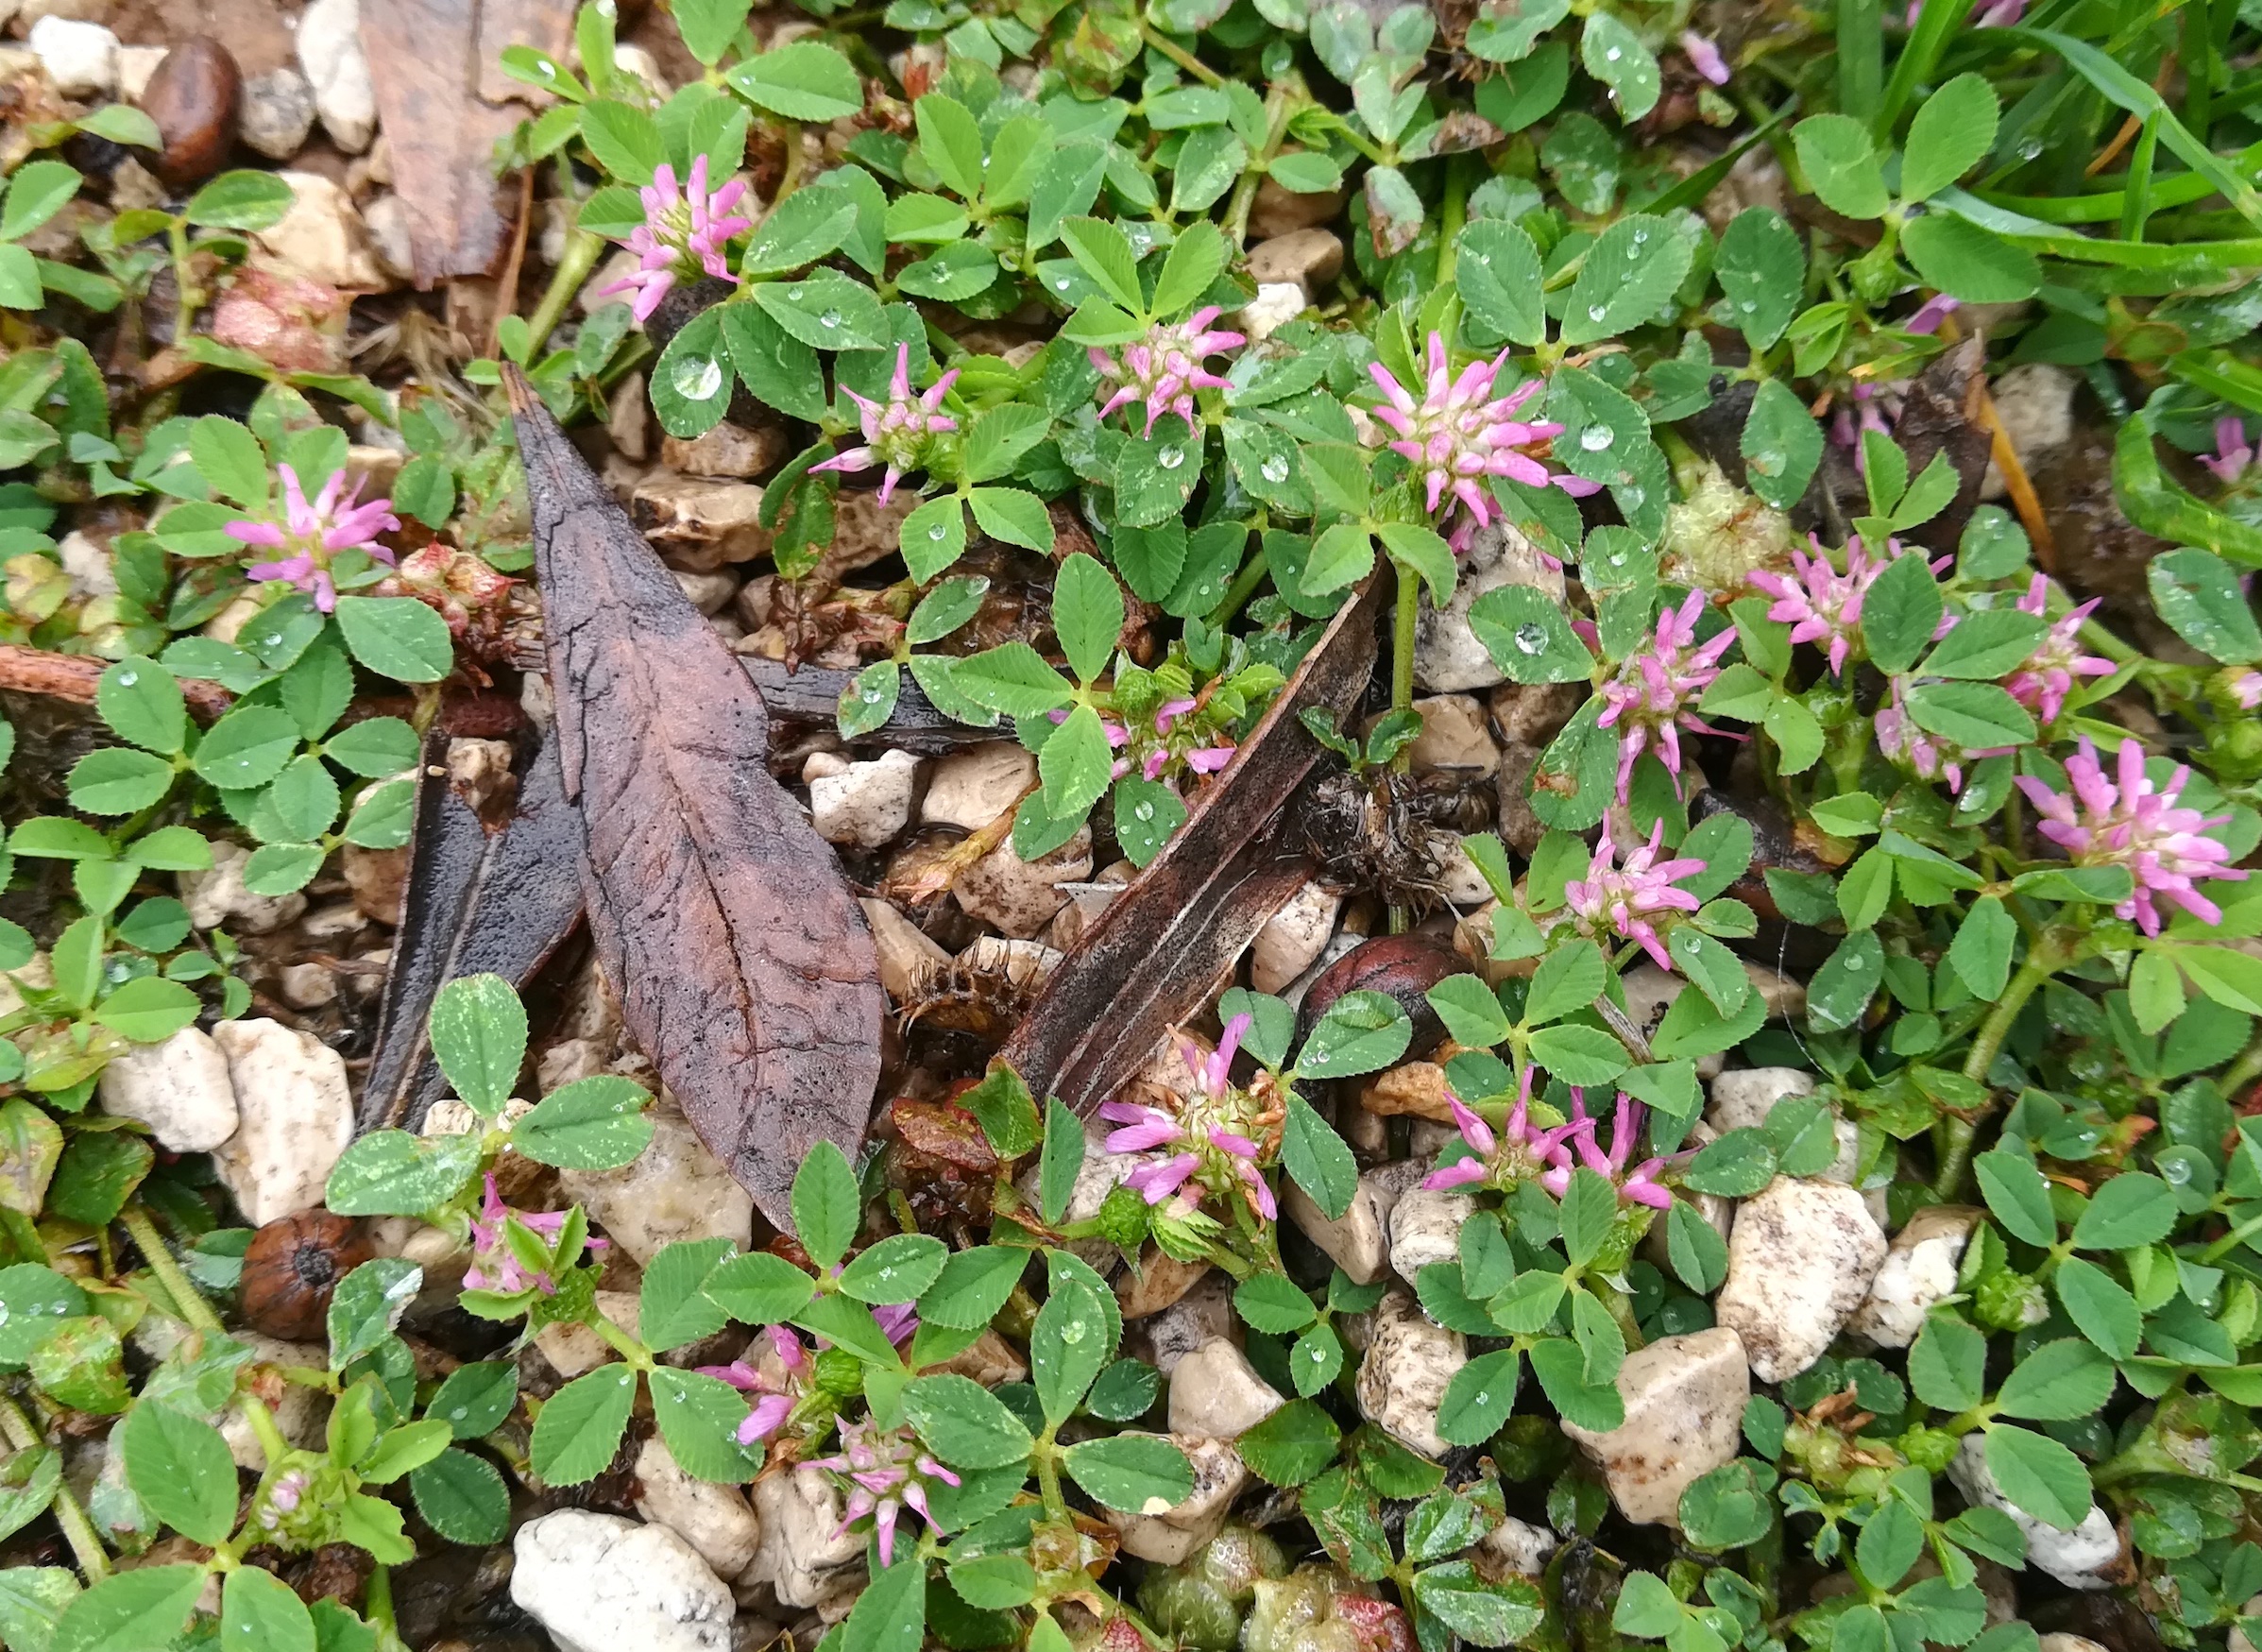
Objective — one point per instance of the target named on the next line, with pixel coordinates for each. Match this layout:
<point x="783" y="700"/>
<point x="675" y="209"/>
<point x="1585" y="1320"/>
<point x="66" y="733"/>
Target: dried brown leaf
<point x="1150" y="959"/>
<point x="746" y="971"/>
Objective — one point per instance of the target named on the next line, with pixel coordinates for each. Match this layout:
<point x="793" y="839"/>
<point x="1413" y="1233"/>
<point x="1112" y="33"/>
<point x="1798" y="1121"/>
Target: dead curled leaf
<point x="745" y="967"/>
<point x="1149" y="959"/>
<point x="481" y="898"/>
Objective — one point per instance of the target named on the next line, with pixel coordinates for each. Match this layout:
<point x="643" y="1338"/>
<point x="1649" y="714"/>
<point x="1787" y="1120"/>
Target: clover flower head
<point x="1651" y="698"/>
<point x="312" y="533"/>
<point x="1202" y="759"/>
<point x="1165" y="368"/>
<point x="1617" y="901"/>
<point x="1819" y="604"/>
<point x="2233" y="453"/>
<point x="2244" y="686"/>
<point x="459" y="586"/>
<point x="1639" y="1185"/>
<point x="2163" y="846"/>
<point x="898" y="431"/>
<point x="1518" y="1152"/>
<point x="683" y="234"/>
<point x="493" y="1264"/>
<point x="1210" y="1132"/>
<point x="1460" y="435"/>
<point x="2049" y="674"/>
<point x="884" y="1472"/>
<point x="1704" y="57"/>
<point x="775" y="1395"/>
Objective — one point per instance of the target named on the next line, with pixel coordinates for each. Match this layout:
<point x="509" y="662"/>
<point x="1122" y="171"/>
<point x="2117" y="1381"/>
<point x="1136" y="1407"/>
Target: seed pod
<point x="1403" y="967"/>
<point x="291" y="1267"/>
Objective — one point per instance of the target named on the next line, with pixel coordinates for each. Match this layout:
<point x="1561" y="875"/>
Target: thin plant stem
<point x="1178" y="55"/>
<point x="582" y="248"/>
<point x="193" y="1309"/>
<point x="86" y="1543"/>
<point x="2042" y="963"/>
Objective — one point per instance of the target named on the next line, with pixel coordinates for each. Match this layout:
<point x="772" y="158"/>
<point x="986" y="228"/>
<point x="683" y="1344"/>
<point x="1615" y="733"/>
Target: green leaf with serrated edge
<point x="972" y="1288"/>
<point x="1478" y="1398"/>
<point x="479" y="1038"/>
<point x="2039" y="1475"/>
<point x="1291" y="1445"/>
<point x="2099" y="1306"/>
<point x="180" y="1468"/>
<point x="1947" y="1364"/>
<point x="2018" y="1195"/>
<point x="1761" y="269"/>
<point x="1316" y="1159"/>
<point x="827" y="1208"/>
<point x="580" y="1426"/>
<point x="1953" y="130"/>
<point x="129" y="1611"/>
<point x="759" y="1288"/>
<point x="462" y="1497"/>
<point x="1782" y="445"/>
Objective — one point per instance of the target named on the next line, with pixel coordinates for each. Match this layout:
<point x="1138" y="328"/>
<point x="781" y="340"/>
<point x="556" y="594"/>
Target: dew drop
<point x="1612" y="55"/>
<point x="1595" y="438"/>
<point x="1483" y="1399"/>
<point x="1531" y="636"/>
<point x="2030" y="148"/>
<point x="830" y="318"/>
<point x="795" y="292"/>
<point x="272" y="639"/>
<point x="698" y="377"/>
<point x="1073" y="1333"/>
<point x="1640" y="236"/>
<point x="1273" y="469"/>
<point x="939" y="531"/>
<point x="1633" y="496"/>
<point x="870" y="696"/>
<point x="1062" y="284"/>
<point x="1595" y="312"/>
<point x="1142" y="811"/>
<point x="128" y="679"/>
<point x="1171" y="458"/>
<point x="1749" y="306"/>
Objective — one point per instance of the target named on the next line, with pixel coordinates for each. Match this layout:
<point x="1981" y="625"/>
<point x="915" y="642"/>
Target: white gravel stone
<point x="599" y="1581"/>
<point x="322" y="237"/>
<point x="180" y="1089"/>
<point x="1357" y="1241"/>
<point x="1425" y="1227"/>
<point x="717" y="1520"/>
<point x="92" y="574"/>
<point x="1520" y="1546"/>
<point x="1800" y="1261"/>
<point x="1277" y="304"/>
<point x="971" y="789"/>
<point x="1744" y="1098"/>
<point x="80" y="57"/>
<point x="675" y="1190"/>
<point x="800" y="1556"/>
<point x="218" y="897"/>
<point x="1167" y="1538"/>
<point x="866" y="805"/>
<point x="1446" y="655"/>
<point x="330" y="50"/>
<point x="276" y="113"/>
<point x="1215" y="1393"/>
<point x="2075" y="1558"/>
<point x="908" y="957"/>
<point x="1684" y="1400"/>
<point x="1293" y="937"/>
<point x="1919" y="1273"/>
<point x="295" y="1117"/>
<point x="1019" y="897"/>
<point x="1402" y="1377"/>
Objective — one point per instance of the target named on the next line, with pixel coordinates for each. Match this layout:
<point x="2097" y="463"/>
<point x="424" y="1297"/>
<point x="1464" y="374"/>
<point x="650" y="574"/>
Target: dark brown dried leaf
<point x="1149" y="959"/>
<point x="746" y="971"/>
<point x="478" y="901"/>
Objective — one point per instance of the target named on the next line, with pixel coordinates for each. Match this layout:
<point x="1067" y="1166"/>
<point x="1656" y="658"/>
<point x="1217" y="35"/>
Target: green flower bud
<point x="1201" y="1601"/>
<point x="2009" y="1302"/>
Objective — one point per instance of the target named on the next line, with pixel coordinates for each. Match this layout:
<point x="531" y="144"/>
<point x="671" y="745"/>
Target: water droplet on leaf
<point x="698" y="378"/>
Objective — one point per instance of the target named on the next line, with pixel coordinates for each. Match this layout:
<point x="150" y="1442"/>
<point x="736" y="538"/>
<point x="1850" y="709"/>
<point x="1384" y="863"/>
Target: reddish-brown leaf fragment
<point x="745" y="968"/>
<point x="1150" y="959"/>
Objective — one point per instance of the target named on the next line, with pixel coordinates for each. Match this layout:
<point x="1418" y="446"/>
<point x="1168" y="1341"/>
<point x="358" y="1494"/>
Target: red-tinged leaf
<point x="1152" y="956"/>
<point x="746" y="971"/>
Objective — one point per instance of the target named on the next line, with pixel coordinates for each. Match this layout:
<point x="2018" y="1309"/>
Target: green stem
<point x="1049" y="1477"/>
<point x="271" y="1444"/>
<point x="1277" y="110"/>
<point x="1401" y="647"/>
<point x="573" y="269"/>
<point x="1244" y="586"/>
<point x="1451" y="213"/>
<point x="2232" y="1240"/>
<point x="627" y="1347"/>
<point x="86" y="1543"/>
<point x="188" y="1302"/>
<point x="1178" y="55"/>
<point x="2042" y="963"/>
